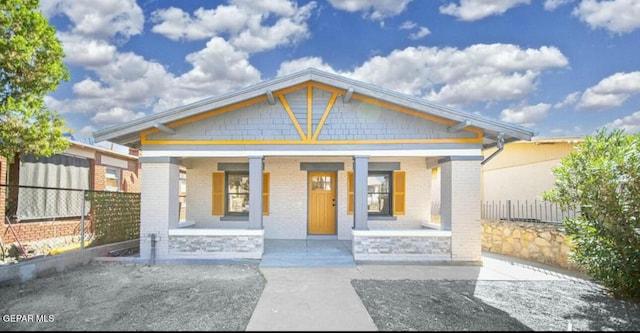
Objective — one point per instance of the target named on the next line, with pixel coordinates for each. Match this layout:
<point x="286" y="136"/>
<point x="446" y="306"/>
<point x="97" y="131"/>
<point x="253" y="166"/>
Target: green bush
<point x="602" y="178"/>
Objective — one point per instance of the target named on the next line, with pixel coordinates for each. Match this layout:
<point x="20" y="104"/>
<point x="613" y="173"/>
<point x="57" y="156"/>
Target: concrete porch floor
<point x="306" y="253"/>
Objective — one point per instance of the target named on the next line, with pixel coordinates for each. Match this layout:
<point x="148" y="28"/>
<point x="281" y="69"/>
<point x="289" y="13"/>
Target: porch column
<point x="360" y="175"/>
<point x="159" y="203"/>
<point x="460" y="206"/>
<point x="255" y="192"/>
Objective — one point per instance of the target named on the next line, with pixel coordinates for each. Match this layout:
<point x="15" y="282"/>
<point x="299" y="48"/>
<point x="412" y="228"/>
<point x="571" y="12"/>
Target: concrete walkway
<point x="321" y="298"/>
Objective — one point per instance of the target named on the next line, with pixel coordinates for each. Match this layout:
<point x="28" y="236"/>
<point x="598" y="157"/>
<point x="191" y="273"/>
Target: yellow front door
<point x="322" y="203"/>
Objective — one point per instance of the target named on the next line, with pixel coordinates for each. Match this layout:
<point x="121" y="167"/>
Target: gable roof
<point x="129" y="133"/>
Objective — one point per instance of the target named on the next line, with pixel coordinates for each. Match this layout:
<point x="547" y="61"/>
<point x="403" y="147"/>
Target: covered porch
<point x="380" y="204"/>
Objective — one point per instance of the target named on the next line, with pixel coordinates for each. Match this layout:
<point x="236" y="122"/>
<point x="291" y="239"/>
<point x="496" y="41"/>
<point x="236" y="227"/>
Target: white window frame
<point x="116" y="175"/>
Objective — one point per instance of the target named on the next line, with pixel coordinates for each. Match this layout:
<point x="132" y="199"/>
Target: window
<point x="230" y="193"/>
<point x="237" y="193"/>
<point x="182" y="197"/>
<point x="385" y="193"/>
<point x="112" y="179"/>
<point x="379" y="193"/>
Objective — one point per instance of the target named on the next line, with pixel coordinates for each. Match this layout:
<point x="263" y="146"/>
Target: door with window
<point x="322" y="203"/>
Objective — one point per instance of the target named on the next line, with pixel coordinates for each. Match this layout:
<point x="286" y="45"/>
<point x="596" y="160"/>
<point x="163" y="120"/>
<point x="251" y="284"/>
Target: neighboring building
<point x="26" y="195"/>
<point x="514" y="180"/>
<point x="522" y="171"/>
<point x="312" y="155"/>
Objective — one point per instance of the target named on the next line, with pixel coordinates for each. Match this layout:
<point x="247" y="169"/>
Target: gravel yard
<point x="441" y="305"/>
<point x="112" y="296"/>
<point x="115" y="296"/>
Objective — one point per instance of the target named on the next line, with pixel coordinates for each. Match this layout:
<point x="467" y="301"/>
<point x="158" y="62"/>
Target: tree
<point x="602" y="176"/>
<point x="30" y="67"/>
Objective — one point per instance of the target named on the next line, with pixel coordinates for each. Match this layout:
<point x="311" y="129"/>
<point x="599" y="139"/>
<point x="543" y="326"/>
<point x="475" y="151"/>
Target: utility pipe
<point x="153" y="249"/>
<point x="499" y="144"/>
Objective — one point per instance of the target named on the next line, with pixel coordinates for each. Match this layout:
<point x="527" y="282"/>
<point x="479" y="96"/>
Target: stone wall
<point x="217" y="246"/>
<point x="401" y="245"/>
<point x="540" y="242"/>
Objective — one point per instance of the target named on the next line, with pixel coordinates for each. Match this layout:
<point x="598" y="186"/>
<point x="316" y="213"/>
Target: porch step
<point x="307" y="253"/>
<point x="308" y="261"/>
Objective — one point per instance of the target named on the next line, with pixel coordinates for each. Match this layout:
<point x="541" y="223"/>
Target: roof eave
<point x="129" y="133"/>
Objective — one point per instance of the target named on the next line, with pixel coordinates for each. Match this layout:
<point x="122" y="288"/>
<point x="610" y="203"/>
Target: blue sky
<point x="558" y="67"/>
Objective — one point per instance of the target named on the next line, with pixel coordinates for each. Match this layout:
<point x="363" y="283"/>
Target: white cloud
<point x="374" y="9"/>
<point x="551" y="5"/>
<point x="293" y="66"/>
<point x="85" y="51"/>
<point x="88" y="88"/>
<point x="630" y="123"/>
<point x="472" y="10"/>
<point x="176" y="24"/>
<point x="408" y="25"/>
<point x="479" y="73"/>
<point x="286" y="31"/>
<point x="569" y="100"/>
<point x="99" y="18"/>
<point x="86" y="131"/>
<point x="619" y="16"/>
<point x="116" y="115"/>
<point x="132" y="80"/>
<point x="129" y="81"/>
<point x="242" y="21"/>
<point x="611" y="91"/>
<point x="525" y="115"/>
<point x="575" y="131"/>
<point x="217" y="68"/>
<point x="422" y="32"/>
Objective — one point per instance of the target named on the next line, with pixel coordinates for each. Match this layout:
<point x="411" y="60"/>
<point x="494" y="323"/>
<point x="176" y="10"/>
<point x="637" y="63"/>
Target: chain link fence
<point x="40" y="221"/>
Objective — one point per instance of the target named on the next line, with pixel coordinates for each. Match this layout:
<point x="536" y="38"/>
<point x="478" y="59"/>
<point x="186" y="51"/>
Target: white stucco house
<point x="312" y="155"/>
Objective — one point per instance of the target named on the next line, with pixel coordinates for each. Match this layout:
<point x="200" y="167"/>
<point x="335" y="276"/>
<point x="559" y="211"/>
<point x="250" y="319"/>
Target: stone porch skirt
<point x="216" y="243"/>
<point x="401" y="245"/>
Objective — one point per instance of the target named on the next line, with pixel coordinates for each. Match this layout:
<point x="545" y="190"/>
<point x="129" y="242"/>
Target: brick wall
<point x="99" y="177"/>
<point x="34" y="231"/>
<point x="129" y="178"/>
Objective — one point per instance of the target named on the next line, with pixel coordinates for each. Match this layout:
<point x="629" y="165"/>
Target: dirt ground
<point x="128" y="297"/>
<point x="494" y="306"/>
<point x="125" y="297"/>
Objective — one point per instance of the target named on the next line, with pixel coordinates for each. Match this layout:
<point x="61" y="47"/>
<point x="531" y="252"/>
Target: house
<point x="312" y="155"/>
<point x="526" y="163"/>
<point x="519" y="174"/>
<point x="36" y="191"/>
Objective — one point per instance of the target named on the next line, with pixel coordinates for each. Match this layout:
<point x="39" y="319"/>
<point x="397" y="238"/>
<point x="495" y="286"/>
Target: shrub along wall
<point x="540" y="242"/>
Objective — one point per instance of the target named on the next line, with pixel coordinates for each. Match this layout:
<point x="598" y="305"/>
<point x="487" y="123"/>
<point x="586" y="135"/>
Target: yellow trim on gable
<point x="309" y="111"/>
<point x="311" y="142"/>
<point x="418" y="114"/>
<point x="286" y="106"/>
<point x="318" y="85"/>
<point x="328" y="109"/>
<point x="308" y="138"/>
<point x="212" y="113"/>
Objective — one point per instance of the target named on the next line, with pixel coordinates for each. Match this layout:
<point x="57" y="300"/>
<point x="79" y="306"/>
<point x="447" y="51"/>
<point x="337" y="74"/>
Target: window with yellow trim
<point x="237" y="193"/>
<point x="230" y="194"/>
<point x="379" y="198"/>
<point x="385" y="193"/>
